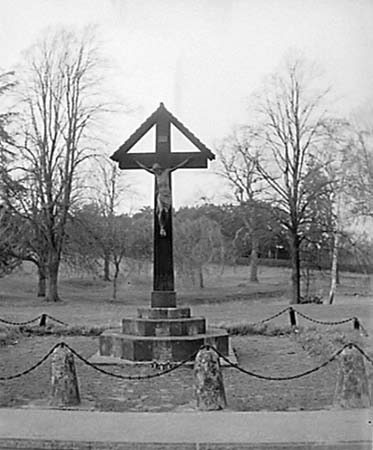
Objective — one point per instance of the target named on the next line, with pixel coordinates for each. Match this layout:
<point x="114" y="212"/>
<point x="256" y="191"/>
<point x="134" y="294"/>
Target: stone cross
<point x="161" y="163"/>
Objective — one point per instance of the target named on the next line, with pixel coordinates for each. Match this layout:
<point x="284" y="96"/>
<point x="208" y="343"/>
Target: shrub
<point x="311" y="299"/>
<point x="324" y="342"/>
<point x="73" y="330"/>
<point x="245" y="329"/>
<point x="9" y="335"/>
<point x="12" y="334"/>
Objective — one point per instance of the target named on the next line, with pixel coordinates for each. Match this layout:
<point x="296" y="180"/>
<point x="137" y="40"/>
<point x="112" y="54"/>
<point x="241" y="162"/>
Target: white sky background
<point x="203" y="59"/>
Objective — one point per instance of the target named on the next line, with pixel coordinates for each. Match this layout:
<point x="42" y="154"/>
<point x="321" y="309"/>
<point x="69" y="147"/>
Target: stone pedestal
<point x="208" y="387"/>
<point x="352" y="389"/>
<point x="64" y="382"/>
<point x="161" y="334"/>
<point x="163" y="299"/>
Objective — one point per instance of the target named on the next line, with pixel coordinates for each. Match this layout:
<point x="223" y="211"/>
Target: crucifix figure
<point x="163" y="194"/>
<point x="161" y="164"/>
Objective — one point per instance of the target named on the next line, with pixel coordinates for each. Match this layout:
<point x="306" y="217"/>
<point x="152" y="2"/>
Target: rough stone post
<point x="43" y="320"/>
<point x="356" y="324"/>
<point x="208" y="387"/>
<point x="64" y="382"/>
<point x="352" y="389"/>
<point x="293" y="318"/>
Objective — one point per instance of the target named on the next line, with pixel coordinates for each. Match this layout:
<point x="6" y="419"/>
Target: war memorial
<point x="163" y="331"/>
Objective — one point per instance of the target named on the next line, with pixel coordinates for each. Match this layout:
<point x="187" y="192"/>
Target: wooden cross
<point x="162" y="160"/>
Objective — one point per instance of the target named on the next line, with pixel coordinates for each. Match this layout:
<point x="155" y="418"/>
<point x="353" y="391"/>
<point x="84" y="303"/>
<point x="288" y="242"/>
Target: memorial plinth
<point x="163" y="332"/>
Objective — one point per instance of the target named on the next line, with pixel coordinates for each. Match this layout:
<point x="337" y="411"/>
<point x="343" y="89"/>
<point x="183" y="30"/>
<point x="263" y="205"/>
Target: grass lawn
<point x="228" y="298"/>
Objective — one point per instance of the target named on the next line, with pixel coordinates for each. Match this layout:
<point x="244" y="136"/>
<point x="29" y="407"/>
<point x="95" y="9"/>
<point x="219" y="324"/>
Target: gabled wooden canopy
<point x="162" y="119"/>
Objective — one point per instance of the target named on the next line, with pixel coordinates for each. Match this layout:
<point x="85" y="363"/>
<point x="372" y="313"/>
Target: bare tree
<point x="361" y="162"/>
<point x="8" y="240"/>
<point x="7" y="82"/>
<point x="239" y="156"/>
<point x="337" y="169"/>
<point x="61" y="100"/>
<point x="292" y="128"/>
<point x="114" y="239"/>
<point x="98" y="233"/>
<point x="30" y="241"/>
<point x="9" y="260"/>
<point x="198" y="242"/>
<point x="109" y="195"/>
<point x="121" y="237"/>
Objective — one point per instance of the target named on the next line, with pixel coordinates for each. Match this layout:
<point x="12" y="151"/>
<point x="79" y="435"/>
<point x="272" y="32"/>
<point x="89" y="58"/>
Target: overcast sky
<point x="203" y="58"/>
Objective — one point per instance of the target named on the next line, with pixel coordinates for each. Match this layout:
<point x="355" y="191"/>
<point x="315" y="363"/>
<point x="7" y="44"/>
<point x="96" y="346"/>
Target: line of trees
<point x="297" y="175"/>
<point x="204" y="235"/>
<point x="295" y="155"/>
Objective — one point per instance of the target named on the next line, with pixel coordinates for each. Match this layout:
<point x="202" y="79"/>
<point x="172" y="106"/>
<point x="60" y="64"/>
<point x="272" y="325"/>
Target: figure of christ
<point x="163" y="192"/>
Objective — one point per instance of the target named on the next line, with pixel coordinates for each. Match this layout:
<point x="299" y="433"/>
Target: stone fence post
<point x="208" y="386"/>
<point x="64" y="382"/>
<point x="352" y="389"/>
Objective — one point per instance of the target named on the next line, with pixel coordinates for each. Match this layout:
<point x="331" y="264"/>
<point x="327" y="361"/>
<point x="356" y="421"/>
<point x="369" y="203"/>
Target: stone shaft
<point x="163" y="299"/>
<point x="352" y="389"/>
<point x="209" y="387"/>
<point x="163" y="270"/>
<point x="64" y="382"/>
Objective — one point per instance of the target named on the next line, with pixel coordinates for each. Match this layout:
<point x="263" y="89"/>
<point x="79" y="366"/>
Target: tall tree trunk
<point x="333" y="275"/>
<point x="306" y="293"/>
<point x="106" y="267"/>
<point x="254" y="258"/>
<point x="42" y="276"/>
<point x="200" y="275"/>
<point x="115" y="288"/>
<point x="53" y="268"/>
<point x="115" y="280"/>
<point x="295" y="268"/>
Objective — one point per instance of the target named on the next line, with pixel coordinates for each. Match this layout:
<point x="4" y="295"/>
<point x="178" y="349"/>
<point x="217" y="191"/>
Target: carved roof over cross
<point x="162" y="119"/>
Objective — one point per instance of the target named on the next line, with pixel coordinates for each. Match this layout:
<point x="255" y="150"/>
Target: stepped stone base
<point x="159" y="348"/>
<point x="164" y="327"/>
<point x="161" y="334"/>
